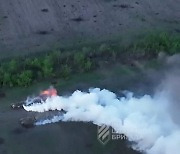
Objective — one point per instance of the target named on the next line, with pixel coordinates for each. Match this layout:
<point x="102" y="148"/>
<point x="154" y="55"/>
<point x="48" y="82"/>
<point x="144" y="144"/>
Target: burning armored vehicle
<point x="38" y="99"/>
<point x="30" y="121"/>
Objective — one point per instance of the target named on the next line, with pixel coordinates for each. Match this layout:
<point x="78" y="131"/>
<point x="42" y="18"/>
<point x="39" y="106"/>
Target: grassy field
<point x="23" y="71"/>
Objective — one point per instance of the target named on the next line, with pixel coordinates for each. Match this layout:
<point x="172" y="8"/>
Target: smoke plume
<point x="151" y="122"/>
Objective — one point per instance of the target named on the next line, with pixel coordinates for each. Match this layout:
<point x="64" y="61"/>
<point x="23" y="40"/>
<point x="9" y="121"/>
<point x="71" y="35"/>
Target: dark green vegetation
<point x="25" y="70"/>
<point x="153" y="44"/>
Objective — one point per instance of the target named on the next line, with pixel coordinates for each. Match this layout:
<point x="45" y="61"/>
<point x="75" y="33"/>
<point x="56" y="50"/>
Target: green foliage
<point x="47" y="66"/>
<point x="155" y="43"/>
<point x="79" y="58"/>
<point x="1" y="76"/>
<point x="57" y="56"/>
<point x="36" y="63"/>
<point x="86" y="50"/>
<point x="25" y="78"/>
<point x="13" y="66"/>
<point x="82" y="63"/>
<point x="87" y="65"/>
<point x="7" y="79"/>
<point x="104" y="49"/>
<point x="65" y="71"/>
<point x="26" y="70"/>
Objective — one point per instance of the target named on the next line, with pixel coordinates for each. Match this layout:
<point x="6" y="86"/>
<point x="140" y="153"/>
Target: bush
<point x="12" y="66"/>
<point x="47" y="67"/>
<point x="7" y="79"/>
<point x="65" y="71"/>
<point x="23" y="71"/>
<point x="79" y="58"/>
<point x="87" y="66"/>
<point x="25" y="78"/>
<point x="36" y="63"/>
<point x="79" y="61"/>
<point x="155" y="43"/>
<point x="104" y="49"/>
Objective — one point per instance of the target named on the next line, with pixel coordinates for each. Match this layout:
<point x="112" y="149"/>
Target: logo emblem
<point x="104" y="134"/>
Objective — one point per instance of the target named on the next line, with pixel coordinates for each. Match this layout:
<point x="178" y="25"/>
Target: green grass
<point x="155" y="43"/>
<point x="76" y="79"/>
<point x="23" y="71"/>
<point x="16" y="94"/>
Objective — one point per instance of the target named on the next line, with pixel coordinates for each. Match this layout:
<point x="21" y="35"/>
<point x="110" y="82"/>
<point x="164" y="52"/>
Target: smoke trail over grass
<point x="145" y="120"/>
<point x="151" y="122"/>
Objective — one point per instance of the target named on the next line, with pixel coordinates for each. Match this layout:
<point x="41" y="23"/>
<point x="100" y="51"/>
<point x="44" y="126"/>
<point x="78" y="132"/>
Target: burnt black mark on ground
<point x="64" y="5"/>
<point x="157" y="13"/>
<point x="45" y="10"/>
<point x="78" y="19"/>
<point x="94" y="16"/>
<point x="2" y="141"/>
<point x="42" y="32"/>
<point x="137" y="3"/>
<point x="123" y="6"/>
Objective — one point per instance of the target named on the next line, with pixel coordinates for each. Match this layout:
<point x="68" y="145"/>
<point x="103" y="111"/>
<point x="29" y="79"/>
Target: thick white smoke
<point x="152" y="122"/>
<point x="48" y="121"/>
<point x="144" y="120"/>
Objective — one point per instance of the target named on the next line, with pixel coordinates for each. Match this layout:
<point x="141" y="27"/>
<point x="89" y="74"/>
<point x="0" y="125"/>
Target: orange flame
<point x="50" y="92"/>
